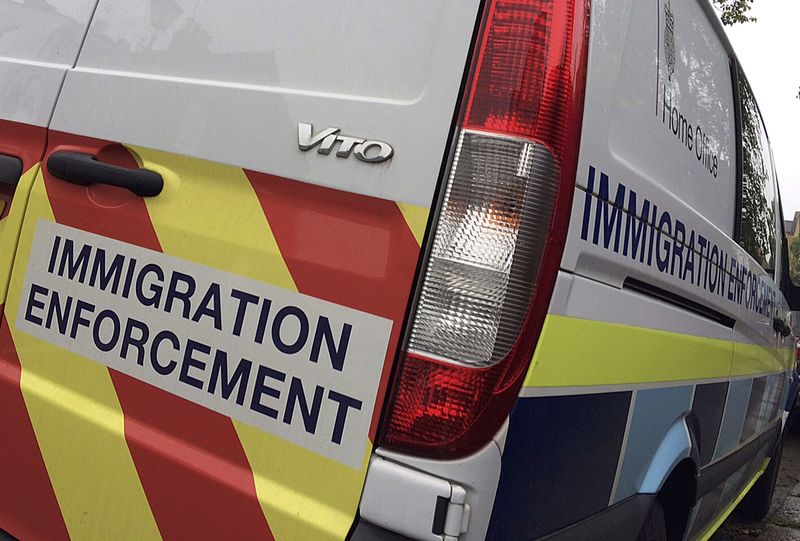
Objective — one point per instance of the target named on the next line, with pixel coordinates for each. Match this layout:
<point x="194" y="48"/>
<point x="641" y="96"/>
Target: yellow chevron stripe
<point x="12" y="223"/>
<point x="78" y="422"/>
<point x="304" y="495"/>
<point x="752" y="360"/>
<point x="209" y="214"/>
<point x="574" y="352"/>
<point x="200" y="213"/>
<point x="416" y="218"/>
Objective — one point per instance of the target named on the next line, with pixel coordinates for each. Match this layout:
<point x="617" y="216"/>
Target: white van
<point x="434" y="270"/>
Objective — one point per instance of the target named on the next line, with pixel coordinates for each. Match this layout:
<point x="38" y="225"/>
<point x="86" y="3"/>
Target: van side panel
<point x="656" y="411"/>
<point x="551" y="440"/>
<point x="656" y="298"/>
<point x="650" y="210"/>
<point x="659" y="91"/>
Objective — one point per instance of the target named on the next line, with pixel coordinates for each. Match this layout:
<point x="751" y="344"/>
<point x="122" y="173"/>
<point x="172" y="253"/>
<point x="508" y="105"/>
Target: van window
<point x="757" y="220"/>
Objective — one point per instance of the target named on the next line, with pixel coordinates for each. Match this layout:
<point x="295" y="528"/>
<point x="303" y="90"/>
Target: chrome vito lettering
<point x="365" y="150"/>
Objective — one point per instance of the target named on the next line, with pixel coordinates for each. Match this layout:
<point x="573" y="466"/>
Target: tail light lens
<point x="500" y="233"/>
<point x="486" y="250"/>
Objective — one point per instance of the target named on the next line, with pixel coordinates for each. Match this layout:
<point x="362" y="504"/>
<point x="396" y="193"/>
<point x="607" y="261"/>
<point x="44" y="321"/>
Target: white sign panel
<point x="295" y="366"/>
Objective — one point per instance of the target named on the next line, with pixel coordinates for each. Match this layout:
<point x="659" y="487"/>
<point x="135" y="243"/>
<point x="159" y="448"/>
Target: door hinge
<point x="414" y="503"/>
<point x="456" y="514"/>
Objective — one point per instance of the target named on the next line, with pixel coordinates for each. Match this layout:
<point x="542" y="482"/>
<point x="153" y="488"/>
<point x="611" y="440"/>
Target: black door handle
<point x="84" y="169"/>
<point x="10" y="169"/>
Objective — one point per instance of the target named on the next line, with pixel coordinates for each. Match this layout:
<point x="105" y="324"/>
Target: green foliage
<point x="735" y="11"/>
<point x="794" y="260"/>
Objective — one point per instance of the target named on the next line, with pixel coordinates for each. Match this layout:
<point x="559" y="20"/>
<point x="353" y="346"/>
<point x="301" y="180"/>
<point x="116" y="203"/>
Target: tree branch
<point x="734" y="11"/>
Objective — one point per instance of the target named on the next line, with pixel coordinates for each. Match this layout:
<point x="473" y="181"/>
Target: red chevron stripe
<point x="25" y="142"/>
<point x="349" y="249"/>
<point x="28" y="505"/>
<point x="191" y="463"/>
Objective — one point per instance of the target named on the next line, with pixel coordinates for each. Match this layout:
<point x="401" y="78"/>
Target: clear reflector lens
<point x="486" y="251"/>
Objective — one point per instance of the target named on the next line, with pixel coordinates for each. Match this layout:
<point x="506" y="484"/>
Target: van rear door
<point x="205" y="349"/>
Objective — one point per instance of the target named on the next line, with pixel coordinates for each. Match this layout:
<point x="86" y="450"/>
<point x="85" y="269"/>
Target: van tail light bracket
<point x="413" y="503"/>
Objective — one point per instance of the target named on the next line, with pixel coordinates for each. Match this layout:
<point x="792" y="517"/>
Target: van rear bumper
<point x="620" y="521"/>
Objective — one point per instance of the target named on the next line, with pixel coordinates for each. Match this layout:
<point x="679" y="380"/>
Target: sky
<point x="767" y="50"/>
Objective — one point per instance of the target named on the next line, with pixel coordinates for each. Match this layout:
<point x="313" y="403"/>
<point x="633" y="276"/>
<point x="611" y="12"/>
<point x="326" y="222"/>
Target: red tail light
<point x="500" y="233"/>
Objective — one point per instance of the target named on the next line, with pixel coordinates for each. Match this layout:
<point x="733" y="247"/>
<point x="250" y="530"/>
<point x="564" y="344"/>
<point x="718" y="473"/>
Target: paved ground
<point x="783" y="521"/>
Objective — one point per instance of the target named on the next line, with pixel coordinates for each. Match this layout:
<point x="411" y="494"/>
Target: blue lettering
<point x="636" y="229"/>
<point x="689" y="267"/>
<point x="104" y="276"/>
<point x="665" y="225"/>
<point x="80" y="321"/>
<point x="677" y="247"/>
<point x="260" y="388"/>
<point x="703" y="264"/>
<point x="126" y="289"/>
<point x="239" y="378"/>
<point x="611" y="219"/>
<point x="652" y="237"/>
<point x="53" y="253"/>
<point x="345" y="403"/>
<point x="587" y="205"/>
<point x="261" y="328"/>
<point x="723" y="263"/>
<point x="336" y="352"/>
<point x="210" y="306"/>
<point x="297" y="396"/>
<point x="184" y="294"/>
<point x="714" y="263"/>
<point x="302" y="335"/>
<point x="732" y="280"/>
<point x="61" y="315"/>
<point x="115" y="330"/>
<point x="71" y="265"/>
<point x="163" y="336"/>
<point x="33" y="303"/>
<point x="244" y="300"/>
<point x="155" y="290"/>
<point x="189" y="361"/>
<point x="138" y="342"/>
